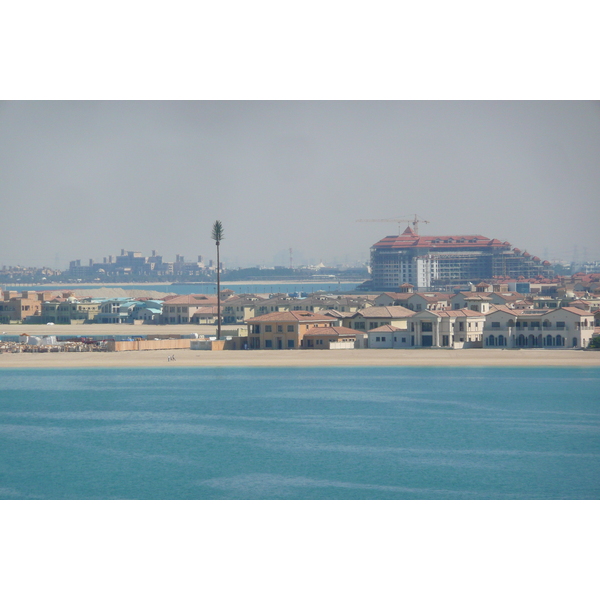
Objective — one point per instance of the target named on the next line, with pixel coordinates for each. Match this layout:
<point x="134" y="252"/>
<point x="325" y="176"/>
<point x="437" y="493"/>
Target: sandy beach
<point x="303" y="358"/>
<point x="108" y="329"/>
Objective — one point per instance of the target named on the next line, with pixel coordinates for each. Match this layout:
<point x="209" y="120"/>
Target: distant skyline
<point x="85" y="179"/>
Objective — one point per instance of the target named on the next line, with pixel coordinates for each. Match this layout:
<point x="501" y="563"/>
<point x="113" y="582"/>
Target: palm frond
<point x="217" y="231"/>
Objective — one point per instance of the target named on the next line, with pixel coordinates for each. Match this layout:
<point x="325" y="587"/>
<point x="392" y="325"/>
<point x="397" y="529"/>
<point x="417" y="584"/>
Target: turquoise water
<point x="300" y="433"/>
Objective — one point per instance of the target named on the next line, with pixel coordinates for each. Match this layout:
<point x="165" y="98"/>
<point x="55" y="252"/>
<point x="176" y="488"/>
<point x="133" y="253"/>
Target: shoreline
<point x="302" y="358"/>
<point x="114" y="284"/>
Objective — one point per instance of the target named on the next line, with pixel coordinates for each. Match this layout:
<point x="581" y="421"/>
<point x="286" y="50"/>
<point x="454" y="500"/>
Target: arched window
<point x="548" y="340"/>
<point x="511" y="323"/>
<point x="559" y="340"/>
<point x="491" y="340"/>
<point x="574" y="342"/>
<point x="521" y="340"/>
<point x="501" y="340"/>
<point x="547" y="323"/>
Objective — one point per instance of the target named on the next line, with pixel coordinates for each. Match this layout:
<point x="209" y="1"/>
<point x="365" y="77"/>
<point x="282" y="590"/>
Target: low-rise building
<point x="239" y="308"/>
<point x="446" y="329"/>
<point x="389" y="336"/>
<point x="565" y="327"/>
<point x="377" y="316"/>
<point x="333" y="338"/>
<point x="478" y="302"/>
<point x="181" y="309"/>
<point x="68" y="310"/>
<point x="415" y="301"/>
<point x="20" y="306"/>
<point x="278" y="330"/>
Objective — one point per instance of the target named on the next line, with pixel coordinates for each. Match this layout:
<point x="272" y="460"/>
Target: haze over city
<point x="85" y="179"/>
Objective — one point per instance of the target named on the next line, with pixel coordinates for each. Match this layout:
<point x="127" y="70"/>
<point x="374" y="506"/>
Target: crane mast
<point x="414" y="222"/>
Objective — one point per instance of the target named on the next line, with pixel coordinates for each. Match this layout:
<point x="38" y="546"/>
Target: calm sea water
<point x="328" y="286"/>
<point x="300" y="433"/>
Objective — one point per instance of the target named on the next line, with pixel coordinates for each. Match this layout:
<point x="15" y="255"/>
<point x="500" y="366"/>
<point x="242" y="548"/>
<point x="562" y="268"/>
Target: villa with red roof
<point x="181" y="309"/>
<point x="280" y="330"/>
<point x="565" y="327"/>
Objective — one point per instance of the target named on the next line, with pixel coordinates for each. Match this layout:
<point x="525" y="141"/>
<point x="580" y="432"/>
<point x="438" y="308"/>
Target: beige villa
<point x="181" y="309"/>
<point x="284" y="330"/>
<point x="565" y="327"/>
<point x="334" y="338"/>
<point x="377" y="316"/>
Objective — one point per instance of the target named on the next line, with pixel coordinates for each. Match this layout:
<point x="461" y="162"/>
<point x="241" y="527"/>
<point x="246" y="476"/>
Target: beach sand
<point x="109" y="329"/>
<point x="303" y="358"/>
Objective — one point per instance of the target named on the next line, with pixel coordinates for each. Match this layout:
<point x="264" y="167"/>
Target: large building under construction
<point x="429" y="261"/>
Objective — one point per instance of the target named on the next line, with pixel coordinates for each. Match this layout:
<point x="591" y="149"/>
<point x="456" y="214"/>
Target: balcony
<point x="527" y="330"/>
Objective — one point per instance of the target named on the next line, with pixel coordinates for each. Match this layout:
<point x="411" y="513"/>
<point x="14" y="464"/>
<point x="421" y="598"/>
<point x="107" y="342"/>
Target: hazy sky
<point x="82" y="180"/>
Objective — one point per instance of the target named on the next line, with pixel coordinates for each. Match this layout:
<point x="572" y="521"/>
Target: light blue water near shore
<point x="329" y="286"/>
<point x="300" y="433"/>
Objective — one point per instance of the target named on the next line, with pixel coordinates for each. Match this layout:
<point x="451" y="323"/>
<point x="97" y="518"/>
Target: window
<point x="268" y="328"/>
<point x="290" y="343"/>
<point x="268" y="343"/>
<point x="383" y="338"/>
<point x="560" y="324"/>
<point x="290" y="328"/>
<point x="280" y="328"/>
<point x="377" y="339"/>
<point x="425" y="326"/>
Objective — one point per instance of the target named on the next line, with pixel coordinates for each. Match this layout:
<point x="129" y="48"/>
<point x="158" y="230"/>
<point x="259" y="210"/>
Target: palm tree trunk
<point x="218" y="295"/>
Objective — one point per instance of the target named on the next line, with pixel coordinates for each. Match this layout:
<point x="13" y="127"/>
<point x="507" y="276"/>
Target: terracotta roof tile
<point x="463" y="312"/>
<point x="385" y="312"/>
<point x="386" y="329"/>
<point x="192" y="300"/>
<point x="291" y="316"/>
<point x="327" y="331"/>
<point x="442" y="241"/>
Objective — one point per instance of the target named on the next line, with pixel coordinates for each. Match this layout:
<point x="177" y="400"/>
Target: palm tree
<point x="217" y="235"/>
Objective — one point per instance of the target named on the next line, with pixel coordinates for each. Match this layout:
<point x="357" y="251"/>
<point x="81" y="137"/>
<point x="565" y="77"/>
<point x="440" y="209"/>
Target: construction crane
<point x="414" y="222"/>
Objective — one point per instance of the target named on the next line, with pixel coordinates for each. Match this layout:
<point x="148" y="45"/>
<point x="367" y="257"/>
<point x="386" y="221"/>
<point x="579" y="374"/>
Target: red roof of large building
<point x="409" y="239"/>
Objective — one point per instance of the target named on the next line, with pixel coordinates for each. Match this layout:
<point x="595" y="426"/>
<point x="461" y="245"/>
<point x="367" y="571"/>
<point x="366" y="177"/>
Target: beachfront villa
<point x="432" y="329"/>
<point x="565" y="327"/>
<point x="334" y="338"/>
<point x="377" y="316"/>
<point x="284" y="330"/>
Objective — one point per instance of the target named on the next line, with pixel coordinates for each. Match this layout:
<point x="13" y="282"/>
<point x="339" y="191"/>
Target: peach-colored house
<point x="279" y="330"/>
<point x="181" y="309"/>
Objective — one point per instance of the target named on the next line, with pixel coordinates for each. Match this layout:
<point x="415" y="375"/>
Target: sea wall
<point x="113" y="346"/>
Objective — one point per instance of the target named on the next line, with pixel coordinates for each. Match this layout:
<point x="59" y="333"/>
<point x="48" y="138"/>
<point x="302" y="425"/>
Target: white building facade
<point x="565" y="327"/>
